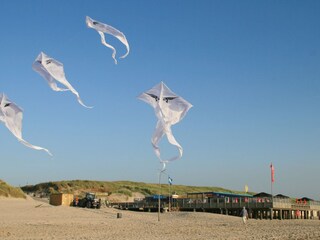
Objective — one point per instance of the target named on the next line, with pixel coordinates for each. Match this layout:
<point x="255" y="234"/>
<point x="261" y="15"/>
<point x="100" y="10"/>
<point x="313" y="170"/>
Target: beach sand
<point x="31" y="219"/>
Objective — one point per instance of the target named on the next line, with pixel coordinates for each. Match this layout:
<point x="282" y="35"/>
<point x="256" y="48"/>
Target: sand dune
<point x="30" y="219"/>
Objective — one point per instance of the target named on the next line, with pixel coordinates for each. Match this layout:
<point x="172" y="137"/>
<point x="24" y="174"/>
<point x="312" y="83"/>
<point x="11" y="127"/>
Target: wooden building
<point x="58" y="199"/>
<point x="259" y="206"/>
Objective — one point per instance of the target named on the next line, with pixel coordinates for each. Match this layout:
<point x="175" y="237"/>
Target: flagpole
<point x="159" y="196"/>
<point x="170" y="192"/>
<point x="272" y="180"/>
<point x="169" y="197"/>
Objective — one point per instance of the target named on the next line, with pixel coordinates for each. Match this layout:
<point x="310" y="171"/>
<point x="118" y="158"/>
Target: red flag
<point x="272" y="173"/>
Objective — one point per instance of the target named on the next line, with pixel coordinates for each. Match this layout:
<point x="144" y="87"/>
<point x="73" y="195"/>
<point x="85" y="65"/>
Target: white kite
<point x="169" y="109"/>
<point x="11" y="115"/>
<point x="53" y="72"/>
<point x="104" y="28"/>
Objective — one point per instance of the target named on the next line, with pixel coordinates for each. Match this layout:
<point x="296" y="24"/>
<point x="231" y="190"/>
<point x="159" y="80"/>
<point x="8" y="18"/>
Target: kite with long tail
<point x="102" y="28"/>
<point x="53" y="71"/>
<point x="11" y="115"/>
<point x="169" y="109"/>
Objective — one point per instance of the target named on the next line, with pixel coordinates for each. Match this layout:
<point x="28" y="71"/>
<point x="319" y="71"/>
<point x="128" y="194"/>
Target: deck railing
<point x="223" y="203"/>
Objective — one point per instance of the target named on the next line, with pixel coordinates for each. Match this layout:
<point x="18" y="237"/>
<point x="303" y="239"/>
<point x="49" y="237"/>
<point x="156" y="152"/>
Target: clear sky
<point x="250" y="68"/>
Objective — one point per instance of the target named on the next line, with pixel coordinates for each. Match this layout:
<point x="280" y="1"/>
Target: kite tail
<point x="80" y="101"/>
<point x="173" y="141"/>
<point x="163" y="166"/>
<point x="61" y="90"/>
<point x="78" y="96"/>
<point x="125" y="54"/>
<point x="53" y="85"/>
<point x="103" y="41"/>
<point x="161" y="130"/>
<point x="34" y="147"/>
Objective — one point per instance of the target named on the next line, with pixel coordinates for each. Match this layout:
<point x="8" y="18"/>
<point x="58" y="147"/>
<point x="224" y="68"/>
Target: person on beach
<point x="244" y="215"/>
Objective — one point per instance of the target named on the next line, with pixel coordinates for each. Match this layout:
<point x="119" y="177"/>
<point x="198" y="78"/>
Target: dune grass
<point x="9" y="191"/>
<point x="120" y="187"/>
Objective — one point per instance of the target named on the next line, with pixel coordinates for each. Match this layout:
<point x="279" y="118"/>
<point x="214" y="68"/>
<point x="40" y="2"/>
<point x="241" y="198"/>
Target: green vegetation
<point x="9" y="191"/>
<point x="121" y="187"/>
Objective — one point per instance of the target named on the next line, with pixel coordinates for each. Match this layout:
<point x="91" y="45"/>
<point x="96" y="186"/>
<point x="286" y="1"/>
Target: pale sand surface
<point x="30" y="219"/>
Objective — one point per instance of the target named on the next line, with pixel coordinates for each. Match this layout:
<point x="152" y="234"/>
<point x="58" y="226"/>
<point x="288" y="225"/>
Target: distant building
<point x="58" y="199"/>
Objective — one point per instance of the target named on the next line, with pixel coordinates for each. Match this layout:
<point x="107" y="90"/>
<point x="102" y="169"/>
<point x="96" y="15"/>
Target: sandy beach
<point x="31" y="219"/>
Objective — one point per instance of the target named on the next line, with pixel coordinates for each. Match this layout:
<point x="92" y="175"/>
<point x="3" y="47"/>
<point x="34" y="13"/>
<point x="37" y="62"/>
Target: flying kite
<point x="169" y="109"/>
<point x="11" y="115"/>
<point x="104" y="28"/>
<point x="52" y="71"/>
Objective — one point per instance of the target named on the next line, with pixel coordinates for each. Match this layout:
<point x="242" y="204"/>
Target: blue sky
<point x="250" y="68"/>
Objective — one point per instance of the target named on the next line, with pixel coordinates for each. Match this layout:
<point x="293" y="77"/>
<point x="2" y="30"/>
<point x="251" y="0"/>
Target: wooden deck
<point x="266" y="208"/>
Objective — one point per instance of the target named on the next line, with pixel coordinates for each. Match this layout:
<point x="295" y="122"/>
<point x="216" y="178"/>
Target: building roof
<point x="222" y="194"/>
<point x="306" y="198"/>
<point x="156" y="196"/>
<point x="262" y="194"/>
<point x="281" y="196"/>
